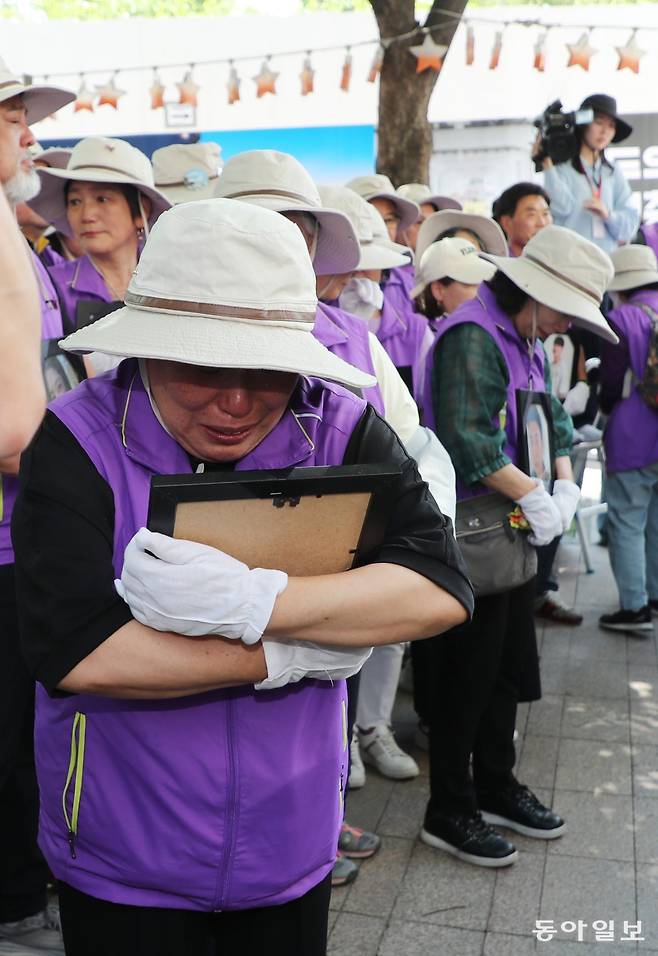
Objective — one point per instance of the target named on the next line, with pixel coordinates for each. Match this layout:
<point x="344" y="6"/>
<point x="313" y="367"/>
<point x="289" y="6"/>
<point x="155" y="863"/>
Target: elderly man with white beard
<point x="24" y="915"/>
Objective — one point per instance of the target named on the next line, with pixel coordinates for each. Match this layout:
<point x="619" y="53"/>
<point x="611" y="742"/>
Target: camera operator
<point x="589" y="194"/>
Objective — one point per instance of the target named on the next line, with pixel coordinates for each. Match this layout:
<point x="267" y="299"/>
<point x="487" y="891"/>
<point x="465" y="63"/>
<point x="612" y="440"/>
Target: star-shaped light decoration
<point x="84" y="99"/>
<point x="630" y="55"/>
<point x="494" y="59"/>
<point x="188" y="89"/>
<point x="581" y="53"/>
<point x="470" y="45"/>
<point x="307" y="75"/>
<point x="429" y="55"/>
<point x="540" y="53"/>
<point x="233" y="86"/>
<point x="265" y="80"/>
<point x="376" y="65"/>
<point x="346" y="72"/>
<point x="110" y="94"/>
<point x="157" y="92"/>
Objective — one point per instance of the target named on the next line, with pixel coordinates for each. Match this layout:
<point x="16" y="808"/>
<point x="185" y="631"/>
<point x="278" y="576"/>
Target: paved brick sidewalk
<point x="590" y="749"/>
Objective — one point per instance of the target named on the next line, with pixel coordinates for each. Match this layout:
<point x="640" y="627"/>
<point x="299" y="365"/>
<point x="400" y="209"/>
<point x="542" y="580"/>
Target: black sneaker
<point x="469" y="838"/>
<point x="654" y="606"/>
<point x="628" y="620"/>
<point x="517" y="808"/>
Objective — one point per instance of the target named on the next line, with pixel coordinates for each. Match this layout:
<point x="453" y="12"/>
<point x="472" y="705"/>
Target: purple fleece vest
<point x="346" y="335"/>
<point x="224" y="800"/>
<point x="484" y="311"/>
<point x="631" y="433"/>
<point x="51" y="328"/>
<point x="78" y="281"/>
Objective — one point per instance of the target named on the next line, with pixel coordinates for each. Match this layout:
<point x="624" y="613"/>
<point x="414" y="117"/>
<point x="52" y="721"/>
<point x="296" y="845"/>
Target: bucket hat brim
<point x="552" y="291"/>
<point x="214" y="342"/>
<point x="407" y="210"/>
<point x="50" y="203"/>
<point x="435" y="225"/>
<point x="39" y="101"/>
<point x="632" y="279"/>
<point x="377" y="256"/>
<point x="337" y="250"/>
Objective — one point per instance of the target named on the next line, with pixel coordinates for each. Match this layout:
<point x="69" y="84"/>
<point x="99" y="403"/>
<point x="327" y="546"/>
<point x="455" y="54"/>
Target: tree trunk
<point x="404" y="135"/>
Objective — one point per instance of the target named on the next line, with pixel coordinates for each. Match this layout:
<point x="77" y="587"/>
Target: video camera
<point x="558" y="133"/>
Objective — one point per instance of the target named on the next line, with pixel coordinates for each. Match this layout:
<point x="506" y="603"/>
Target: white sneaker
<point x="40" y="932"/>
<point x="380" y="750"/>
<point x="357" y="777"/>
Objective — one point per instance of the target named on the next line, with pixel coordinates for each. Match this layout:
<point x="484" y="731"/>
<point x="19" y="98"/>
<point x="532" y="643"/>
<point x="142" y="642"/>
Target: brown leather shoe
<point x="552" y="609"/>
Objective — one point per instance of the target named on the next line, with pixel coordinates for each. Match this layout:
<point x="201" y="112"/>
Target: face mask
<point x="361" y="297"/>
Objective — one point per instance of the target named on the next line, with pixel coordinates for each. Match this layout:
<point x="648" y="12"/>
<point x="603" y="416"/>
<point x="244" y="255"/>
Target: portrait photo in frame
<point x="536" y="443"/>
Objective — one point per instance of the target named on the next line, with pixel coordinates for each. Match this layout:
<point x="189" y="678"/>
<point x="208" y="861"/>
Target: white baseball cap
<point x="453" y="259"/>
<point x="634" y="266"/>
<point x="221" y="284"/>
<point x="563" y="271"/>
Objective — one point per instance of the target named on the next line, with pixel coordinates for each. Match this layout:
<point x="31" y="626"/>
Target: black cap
<point x="602" y="103"/>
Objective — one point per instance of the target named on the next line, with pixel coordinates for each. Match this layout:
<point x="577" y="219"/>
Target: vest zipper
<point x="75" y="773"/>
<point x="229" y="847"/>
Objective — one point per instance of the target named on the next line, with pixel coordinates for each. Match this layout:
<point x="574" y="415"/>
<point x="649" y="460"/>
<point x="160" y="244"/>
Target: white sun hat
<point x="634" y="266"/>
<point x="453" y="259"/>
<point x="278" y="181"/>
<point x="39" y="101"/>
<point x="420" y="193"/>
<point x="373" y="255"/>
<point x="55" y="157"/>
<point x="564" y="271"/>
<point x="378" y="186"/>
<point x="489" y="232"/>
<point x="97" y="159"/>
<point x="185" y="172"/>
<point x="221" y="284"/>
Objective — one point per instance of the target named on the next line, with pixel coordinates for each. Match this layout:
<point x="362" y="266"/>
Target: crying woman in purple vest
<point x="488" y="351"/>
<point x="191" y="737"/>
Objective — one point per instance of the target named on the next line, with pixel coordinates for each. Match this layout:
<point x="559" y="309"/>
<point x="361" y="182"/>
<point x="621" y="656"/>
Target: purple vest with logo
<point x="229" y="799"/>
<point x="631" y="433"/>
<point x="51" y="328"/>
<point x="484" y="311"/>
<point x="403" y="333"/>
<point x="78" y="281"/>
<point x="347" y="336"/>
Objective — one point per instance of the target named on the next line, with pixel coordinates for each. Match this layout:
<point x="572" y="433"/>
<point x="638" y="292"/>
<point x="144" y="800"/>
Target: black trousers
<point x="478" y="673"/>
<point x="94" y="927"/>
<point x="545" y="559"/>
<point x="23" y="872"/>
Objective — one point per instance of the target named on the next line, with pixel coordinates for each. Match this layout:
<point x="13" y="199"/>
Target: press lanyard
<point x="595" y="185"/>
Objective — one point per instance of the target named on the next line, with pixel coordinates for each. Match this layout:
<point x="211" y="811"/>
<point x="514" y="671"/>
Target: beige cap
<point x="373" y="254"/>
<point x="187" y="171"/>
<point x="39" y="101"/>
<point x="565" y="272"/>
<point x="634" y="266"/>
<point x="378" y="186"/>
<point x="420" y="193"/>
<point x="488" y="231"/>
<point x="453" y="259"/>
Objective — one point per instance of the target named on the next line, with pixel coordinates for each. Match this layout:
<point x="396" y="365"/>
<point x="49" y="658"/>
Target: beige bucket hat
<point x="634" y="266"/>
<point x="490" y="233"/>
<point x="420" y="193"/>
<point x="453" y="259"/>
<point x="55" y="157"/>
<point x="378" y="186"/>
<point x="565" y="272"/>
<point x="97" y="159"/>
<point x="39" y="101"/>
<point x="278" y="181"/>
<point x="185" y="172"/>
<point x="221" y="284"/>
<point x="373" y="254"/>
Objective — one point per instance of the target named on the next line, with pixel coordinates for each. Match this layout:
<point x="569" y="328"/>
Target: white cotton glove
<point x="290" y="661"/>
<point x="575" y="401"/>
<point x="542" y="514"/>
<point x="566" y="495"/>
<point x="192" y="589"/>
